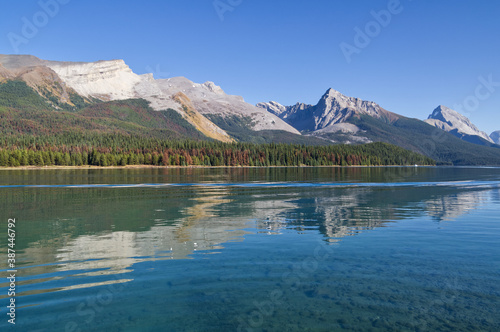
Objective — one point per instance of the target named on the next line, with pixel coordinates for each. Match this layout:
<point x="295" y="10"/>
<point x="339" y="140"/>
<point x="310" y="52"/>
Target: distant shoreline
<point x="196" y="166"/>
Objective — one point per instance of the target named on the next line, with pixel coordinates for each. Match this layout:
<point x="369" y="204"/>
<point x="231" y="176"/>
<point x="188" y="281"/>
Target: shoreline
<point x="197" y="166"/>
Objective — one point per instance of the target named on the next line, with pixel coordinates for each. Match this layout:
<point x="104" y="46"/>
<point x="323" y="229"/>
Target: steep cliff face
<point x="106" y="80"/>
<point x="457" y="124"/>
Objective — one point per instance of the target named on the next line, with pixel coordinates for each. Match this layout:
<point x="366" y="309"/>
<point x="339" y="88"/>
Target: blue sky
<point x="417" y="55"/>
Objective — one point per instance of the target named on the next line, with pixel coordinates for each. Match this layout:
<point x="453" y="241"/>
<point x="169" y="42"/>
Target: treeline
<point x="206" y="153"/>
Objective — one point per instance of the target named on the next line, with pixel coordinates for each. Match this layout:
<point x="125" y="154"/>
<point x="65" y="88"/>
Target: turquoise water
<point x="280" y="249"/>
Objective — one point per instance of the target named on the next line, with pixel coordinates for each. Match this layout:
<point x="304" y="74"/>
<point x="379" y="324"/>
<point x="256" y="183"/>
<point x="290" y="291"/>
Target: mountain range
<point x="445" y="136"/>
<point x="108" y="95"/>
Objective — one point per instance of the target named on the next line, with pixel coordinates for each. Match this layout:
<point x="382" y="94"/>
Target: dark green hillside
<point x="445" y="147"/>
<point x="473" y="139"/>
<point x="24" y="112"/>
<point x="18" y="95"/>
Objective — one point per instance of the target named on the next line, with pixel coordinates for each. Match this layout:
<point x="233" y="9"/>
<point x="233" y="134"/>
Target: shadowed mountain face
<point x="495" y="136"/>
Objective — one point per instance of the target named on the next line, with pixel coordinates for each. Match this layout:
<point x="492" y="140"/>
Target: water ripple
<point x="457" y="184"/>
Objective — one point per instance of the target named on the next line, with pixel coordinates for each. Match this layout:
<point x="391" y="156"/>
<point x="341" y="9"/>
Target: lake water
<point x="279" y="249"/>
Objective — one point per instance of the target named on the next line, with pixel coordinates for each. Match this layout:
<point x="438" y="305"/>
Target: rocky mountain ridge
<point x="342" y="119"/>
<point x="114" y="80"/>
<point x="453" y="122"/>
<point x="335" y="118"/>
<point x="335" y="113"/>
<point x="332" y="110"/>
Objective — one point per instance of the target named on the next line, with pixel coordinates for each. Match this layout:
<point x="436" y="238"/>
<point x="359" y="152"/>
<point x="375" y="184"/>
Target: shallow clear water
<point x="295" y="249"/>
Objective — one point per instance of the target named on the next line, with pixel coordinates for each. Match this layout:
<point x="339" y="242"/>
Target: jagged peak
<point x="275" y="103"/>
<point x="445" y="114"/>
<point x="274" y="106"/>
<point x="333" y="96"/>
<point x="441" y="109"/>
<point x="332" y="93"/>
<point x="439" y="113"/>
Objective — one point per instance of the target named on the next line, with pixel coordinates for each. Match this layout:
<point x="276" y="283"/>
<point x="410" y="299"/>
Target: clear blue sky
<point x="430" y="53"/>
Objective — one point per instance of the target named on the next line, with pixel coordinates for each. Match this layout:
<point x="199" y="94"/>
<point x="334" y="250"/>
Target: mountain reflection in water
<point x="203" y="249"/>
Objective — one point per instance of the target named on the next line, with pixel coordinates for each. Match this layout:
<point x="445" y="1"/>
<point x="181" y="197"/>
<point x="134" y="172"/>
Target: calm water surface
<point x="281" y="249"/>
